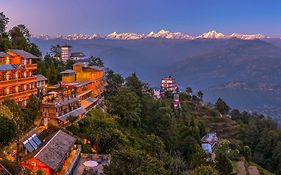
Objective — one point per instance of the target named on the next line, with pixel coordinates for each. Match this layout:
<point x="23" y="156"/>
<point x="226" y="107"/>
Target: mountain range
<point x="244" y="72"/>
<point x="161" y="34"/>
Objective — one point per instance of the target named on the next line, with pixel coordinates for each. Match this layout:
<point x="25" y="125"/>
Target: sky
<point x="61" y="17"/>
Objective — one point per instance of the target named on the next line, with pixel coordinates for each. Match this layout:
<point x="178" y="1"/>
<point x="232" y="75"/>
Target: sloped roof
<point x="94" y="67"/>
<point x="7" y="67"/>
<point x="23" y="53"/>
<point x="68" y="71"/>
<point x="77" y="54"/>
<point x="73" y="113"/>
<point x="3" y="54"/>
<point x="41" y="77"/>
<point x="55" y="150"/>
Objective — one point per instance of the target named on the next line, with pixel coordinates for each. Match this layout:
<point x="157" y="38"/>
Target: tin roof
<point x="3" y="54"/>
<point x="23" y="53"/>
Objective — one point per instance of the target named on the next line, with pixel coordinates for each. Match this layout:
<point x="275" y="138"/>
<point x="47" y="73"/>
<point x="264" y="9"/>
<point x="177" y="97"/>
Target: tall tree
<point x="134" y="84"/>
<point x="19" y="37"/>
<point x="222" y="107"/>
<point x="200" y="95"/>
<point x="55" y="51"/>
<point x="188" y="90"/>
<point x="126" y="104"/>
<point x="3" y="23"/>
<point x="8" y="130"/>
<point x="95" y="61"/>
<point x="113" y="83"/>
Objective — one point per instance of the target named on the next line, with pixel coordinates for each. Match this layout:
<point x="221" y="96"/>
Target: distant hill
<point x="213" y="65"/>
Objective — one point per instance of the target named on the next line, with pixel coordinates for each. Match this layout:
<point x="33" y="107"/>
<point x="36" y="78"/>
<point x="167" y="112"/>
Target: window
<point x="33" y="163"/>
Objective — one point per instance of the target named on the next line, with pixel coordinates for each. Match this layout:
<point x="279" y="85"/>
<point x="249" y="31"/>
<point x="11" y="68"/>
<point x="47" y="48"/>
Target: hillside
<point x="207" y="64"/>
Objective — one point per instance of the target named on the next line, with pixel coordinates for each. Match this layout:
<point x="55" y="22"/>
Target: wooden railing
<point x="21" y="94"/>
<point x="18" y="81"/>
<point x="30" y="66"/>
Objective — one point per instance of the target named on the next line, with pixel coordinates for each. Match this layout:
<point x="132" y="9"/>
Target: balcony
<point x="59" y="101"/>
<point x="17" y="81"/>
<point x="23" y="94"/>
<point x="30" y="66"/>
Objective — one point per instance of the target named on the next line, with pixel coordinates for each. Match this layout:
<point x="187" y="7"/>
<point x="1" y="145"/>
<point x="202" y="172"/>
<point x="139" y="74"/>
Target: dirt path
<point x="253" y="170"/>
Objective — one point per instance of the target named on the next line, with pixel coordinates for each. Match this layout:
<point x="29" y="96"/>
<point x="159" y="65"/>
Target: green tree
<point x="198" y="157"/>
<point x="3" y="23"/>
<point x="5" y="111"/>
<point x="134" y="84"/>
<point x="69" y="63"/>
<point x="8" y="130"/>
<point x="222" y="107"/>
<point x="103" y="131"/>
<point x="34" y="49"/>
<point x="55" y="51"/>
<point x="223" y="163"/>
<point x="200" y="95"/>
<point x="5" y="43"/>
<point x="132" y="161"/>
<point x="188" y="91"/>
<point x="113" y="83"/>
<point x="126" y="104"/>
<point x="154" y="146"/>
<point x="204" y="170"/>
<point x="95" y="61"/>
<point x="19" y="37"/>
<point x="246" y="152"/>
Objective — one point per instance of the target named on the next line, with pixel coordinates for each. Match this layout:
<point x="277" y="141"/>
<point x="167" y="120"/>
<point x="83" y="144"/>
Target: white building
<point x="65" y="52"/>
<point x="169" y="84"/>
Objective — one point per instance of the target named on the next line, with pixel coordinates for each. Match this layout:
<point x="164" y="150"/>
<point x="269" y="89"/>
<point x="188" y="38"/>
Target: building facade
<point x="76" y="56"/>
<point x="56" y="156"/>
<point x="65" y="52"/>
<point x="169" y="84"/>
<point x="86" y="82"/>
<point x="16" y="75"/>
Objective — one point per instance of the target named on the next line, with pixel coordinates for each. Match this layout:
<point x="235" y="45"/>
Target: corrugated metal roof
<point x="77" y="54"/>
<point x="7" y="67"/>
<point x="56" y="149"/>
<point x="68" y="71"/>
<point x="73" y="113"/>
<point x="3" y="54"/>
<point x="23" y="53"/>
<point x="41" y="77"/>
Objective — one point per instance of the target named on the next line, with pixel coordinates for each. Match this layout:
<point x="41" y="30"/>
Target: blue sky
<point x="194" y="17"/>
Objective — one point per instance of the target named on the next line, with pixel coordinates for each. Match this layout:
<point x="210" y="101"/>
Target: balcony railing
<point x="30" y="66"/>
<point x="17" y="81"/>
<point x="20" y="94"/>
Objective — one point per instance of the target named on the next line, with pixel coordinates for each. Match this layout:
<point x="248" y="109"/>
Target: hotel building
<point x="16" y="75"/>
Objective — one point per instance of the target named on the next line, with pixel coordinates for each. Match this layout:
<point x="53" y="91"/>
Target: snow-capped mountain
<point x="212" y="34"/>
<point x="79" y="36"/>
<point x="161" y="34"/>
<point x="247" y="37"/>
<point x="168" y="35"/>
<point x="124" y="36"/>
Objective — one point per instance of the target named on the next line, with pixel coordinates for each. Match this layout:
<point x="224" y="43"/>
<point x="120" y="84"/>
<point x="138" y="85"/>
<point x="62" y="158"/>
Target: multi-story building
<point x="16" y="75"/>
<point x="79" y="91"/>
<point x="41" y="84"/>
<point x="86" y="82"/>
<point x="77" y="56"/>
<point x="57" y="107"/>
<point x="169" y="84"/>
<point x="65" y="52"/>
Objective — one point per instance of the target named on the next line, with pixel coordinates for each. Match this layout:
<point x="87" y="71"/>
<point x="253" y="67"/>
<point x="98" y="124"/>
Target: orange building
<point x="16" y="75"/>
<point x="84" y="81"/>
<point x="59" y="106"/>
<point x="57" y="155"/>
